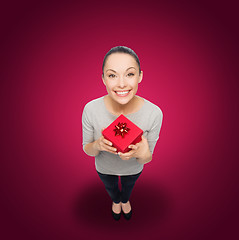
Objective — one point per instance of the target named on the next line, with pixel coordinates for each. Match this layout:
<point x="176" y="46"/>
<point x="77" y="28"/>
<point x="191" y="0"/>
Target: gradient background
<point x="51" y="59"/>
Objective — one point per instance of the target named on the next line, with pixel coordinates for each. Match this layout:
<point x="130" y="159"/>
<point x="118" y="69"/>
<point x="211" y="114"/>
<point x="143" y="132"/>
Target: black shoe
<point x="116" y="216"/>
<point x="128" y="215"/>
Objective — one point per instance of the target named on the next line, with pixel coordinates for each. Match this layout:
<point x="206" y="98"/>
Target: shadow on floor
<point x="150" y="205"/>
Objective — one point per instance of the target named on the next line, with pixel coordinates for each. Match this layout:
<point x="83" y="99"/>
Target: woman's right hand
<point x="102" y="144"/>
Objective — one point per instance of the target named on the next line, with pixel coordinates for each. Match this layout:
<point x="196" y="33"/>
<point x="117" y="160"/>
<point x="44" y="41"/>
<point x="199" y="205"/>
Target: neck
<point x="122" y="108"/>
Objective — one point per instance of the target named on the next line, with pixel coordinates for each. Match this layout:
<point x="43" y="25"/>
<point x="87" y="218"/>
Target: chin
<point x="123" y="101"/>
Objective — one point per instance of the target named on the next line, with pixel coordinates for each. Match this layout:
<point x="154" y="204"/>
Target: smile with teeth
<point x="122" y="93"/>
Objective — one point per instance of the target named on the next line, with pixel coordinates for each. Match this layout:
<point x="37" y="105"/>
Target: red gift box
<point x="122" y="133"/>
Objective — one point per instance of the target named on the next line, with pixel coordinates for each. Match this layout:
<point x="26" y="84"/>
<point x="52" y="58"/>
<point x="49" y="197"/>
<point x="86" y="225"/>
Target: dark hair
<point x="121" y="49"/>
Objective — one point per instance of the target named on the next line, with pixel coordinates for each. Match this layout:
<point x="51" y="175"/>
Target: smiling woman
<point x="121" y="76"/>
<point x="131" y="74"/>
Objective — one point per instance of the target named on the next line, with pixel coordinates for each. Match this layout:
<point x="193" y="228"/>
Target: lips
<point x="122" y="93"/>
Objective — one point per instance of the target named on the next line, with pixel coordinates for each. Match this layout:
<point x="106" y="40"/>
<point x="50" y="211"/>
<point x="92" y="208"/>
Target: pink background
<point x="52" y="54"/>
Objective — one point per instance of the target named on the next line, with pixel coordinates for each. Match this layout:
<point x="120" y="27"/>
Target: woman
<point x="121" y="76"/>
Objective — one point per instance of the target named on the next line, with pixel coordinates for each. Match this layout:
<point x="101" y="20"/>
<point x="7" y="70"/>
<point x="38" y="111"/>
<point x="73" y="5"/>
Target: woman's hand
<point x="102" y="144"/>
<point x="140" y="151"/>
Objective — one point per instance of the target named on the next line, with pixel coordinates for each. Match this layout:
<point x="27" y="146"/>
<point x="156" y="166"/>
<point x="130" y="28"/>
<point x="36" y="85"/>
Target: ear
<point x="103" y="79"/>
<point x="140" y="76"/>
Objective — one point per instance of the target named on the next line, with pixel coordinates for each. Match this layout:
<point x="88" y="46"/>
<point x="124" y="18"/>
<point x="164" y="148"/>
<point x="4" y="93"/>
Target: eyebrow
<point x="115" y="71"/>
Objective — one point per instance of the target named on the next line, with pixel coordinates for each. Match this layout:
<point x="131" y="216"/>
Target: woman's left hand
<point x="139" y="150"/>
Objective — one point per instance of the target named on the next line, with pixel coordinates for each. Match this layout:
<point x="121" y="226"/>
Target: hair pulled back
<point x="121" y="49"/>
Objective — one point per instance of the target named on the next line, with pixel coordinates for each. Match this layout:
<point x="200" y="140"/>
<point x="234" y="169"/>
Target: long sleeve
<point x="153" y="134"/>
<point x="87" y="128"/>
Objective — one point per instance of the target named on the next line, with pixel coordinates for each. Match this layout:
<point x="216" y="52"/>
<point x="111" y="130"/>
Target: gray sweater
<point x="95" y="116"/>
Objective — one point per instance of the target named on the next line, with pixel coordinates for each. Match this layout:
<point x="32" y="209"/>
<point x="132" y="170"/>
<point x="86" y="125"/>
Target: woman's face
<point x="121" y="77"/>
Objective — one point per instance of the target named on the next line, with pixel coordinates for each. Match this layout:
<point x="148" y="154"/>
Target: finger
<point x="127" y="154"/>
<point x="108" y="148"/>
<point x="102" y="129"/>
<point x="122" y="157"/>
<point x="134" y="147"/>
<point x="112" y="149"/>
<point x="125" y="158"/>
<point x="107" y="142"/>
<point x="143" y="138"/>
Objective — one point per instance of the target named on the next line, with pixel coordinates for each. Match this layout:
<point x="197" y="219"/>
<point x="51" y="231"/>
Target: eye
<point x="111" y="75"/>
<point x="130" y="74"/>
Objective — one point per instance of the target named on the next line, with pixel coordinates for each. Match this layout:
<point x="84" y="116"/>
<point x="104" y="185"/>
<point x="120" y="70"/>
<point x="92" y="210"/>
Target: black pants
<point x="112" y="187"/>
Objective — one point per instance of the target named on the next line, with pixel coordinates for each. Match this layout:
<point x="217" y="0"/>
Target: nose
<point x="122" y="82"/>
